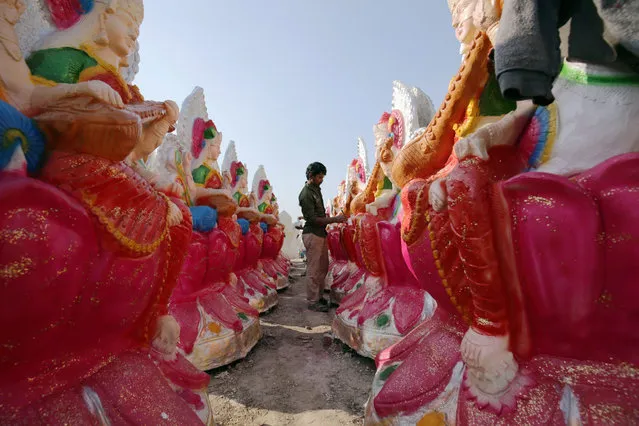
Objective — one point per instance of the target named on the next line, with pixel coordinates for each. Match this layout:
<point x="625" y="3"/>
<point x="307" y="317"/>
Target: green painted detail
<point x="262" y="207"/>
<point x="385" y="374"/>
<point x="200" y="174"/>
<point x="210" y="133"/>
<point x="237" y="196"/>
<point x="491" y="102"/>
<point x="581" y="77"/>
<point x="358" y="286"/>
<point x="383" y="320"/>
<point x="61" y="65"/>
<point x="242" y="316"/>
<point x="13" y="136"/>
<point x="387" y="183"/>
<point x="178" y="157"/>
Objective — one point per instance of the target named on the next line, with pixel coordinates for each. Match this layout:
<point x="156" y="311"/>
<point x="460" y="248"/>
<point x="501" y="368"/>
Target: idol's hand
<point x="437" y="196"/>
<point x="172" y="112"/>
<point x="175" y="214"/>
<point x="100" y="91"/>
<point x="491" y="365"/>
<point x="166" y="336"/>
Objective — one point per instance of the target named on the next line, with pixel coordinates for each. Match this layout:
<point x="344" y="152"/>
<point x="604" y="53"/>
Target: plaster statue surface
<point x="253" y="283"/>
<point x="218" y="326"/>
<point x="95" y="268"/>
<point x="523" y="327"/>
<point x="289" y="249"/>
<point x="390" y="302"/>
<point x="272" y="262"/>
<point x="345" y="273"/>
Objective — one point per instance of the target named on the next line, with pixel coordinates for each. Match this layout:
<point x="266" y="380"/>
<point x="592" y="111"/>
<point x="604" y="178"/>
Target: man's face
<point x="318" y="179"/>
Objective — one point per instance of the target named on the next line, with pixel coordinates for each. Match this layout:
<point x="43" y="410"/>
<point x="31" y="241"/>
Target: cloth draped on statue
<point x="525" y="76"/>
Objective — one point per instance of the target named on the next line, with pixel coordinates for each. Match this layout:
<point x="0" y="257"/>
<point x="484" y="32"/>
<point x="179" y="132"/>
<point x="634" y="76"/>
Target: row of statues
<point x="487" y="263"/>
<point x="130" y="262"/>
<point x="233" y="268"/>
<point x="488" y="258"/>
<point x="380" y="300"/>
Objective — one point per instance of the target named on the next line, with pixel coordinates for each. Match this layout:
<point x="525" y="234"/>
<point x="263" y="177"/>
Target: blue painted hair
<point x="244" y="225"/>
<point x="17" y="131"/>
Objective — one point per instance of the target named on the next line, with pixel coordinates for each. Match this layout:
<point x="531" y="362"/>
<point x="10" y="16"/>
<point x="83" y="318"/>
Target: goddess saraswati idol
<point x="90" y="250"/>
<point x="528" y="241"/>
<point x="253" y="283"/>
<point x="390" y="302"/>
<point x="272" y="262"/>
<point x="217" y="326"/>
<point x="346" y="272"/>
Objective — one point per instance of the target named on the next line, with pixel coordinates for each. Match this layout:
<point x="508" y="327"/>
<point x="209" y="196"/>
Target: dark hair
<point x="315" y="169"/>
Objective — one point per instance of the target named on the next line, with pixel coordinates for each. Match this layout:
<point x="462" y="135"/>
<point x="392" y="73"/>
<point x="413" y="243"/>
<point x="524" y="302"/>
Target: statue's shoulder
<point x="201" y="173"/>
<point x="60" y="64"/>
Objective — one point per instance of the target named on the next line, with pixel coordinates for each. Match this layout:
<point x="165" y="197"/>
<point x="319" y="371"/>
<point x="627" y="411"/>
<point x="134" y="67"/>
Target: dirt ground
<point x="295" y="375"/>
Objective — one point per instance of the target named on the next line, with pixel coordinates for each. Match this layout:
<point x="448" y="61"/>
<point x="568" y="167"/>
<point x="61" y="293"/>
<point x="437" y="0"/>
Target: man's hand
<point x="339" y="219"/>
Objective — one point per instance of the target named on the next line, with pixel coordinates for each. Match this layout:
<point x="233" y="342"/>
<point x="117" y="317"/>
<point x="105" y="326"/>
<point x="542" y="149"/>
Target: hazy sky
<point x="296" y="81"/>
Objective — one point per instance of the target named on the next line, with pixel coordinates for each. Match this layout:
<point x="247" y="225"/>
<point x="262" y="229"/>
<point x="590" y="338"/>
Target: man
<point x="314" y="236"/>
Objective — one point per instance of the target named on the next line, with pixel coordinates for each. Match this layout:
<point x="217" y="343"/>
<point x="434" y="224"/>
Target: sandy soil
<point x="296" y="375"/>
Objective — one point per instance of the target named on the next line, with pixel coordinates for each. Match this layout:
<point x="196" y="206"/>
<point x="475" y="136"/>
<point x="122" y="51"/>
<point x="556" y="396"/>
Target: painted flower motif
<point x="67" y="13"/>
<point x="386" y="373"/>
<point x="214" y="328"/>
<point x="19" y="131"/>
<point x="201" y="132"/>
<point x="237" y="169"/>
<point x="361" y="172"/>
<point x="265" y="185"/>
<point x="394" y="123"/>
<point x="210" y="132"/>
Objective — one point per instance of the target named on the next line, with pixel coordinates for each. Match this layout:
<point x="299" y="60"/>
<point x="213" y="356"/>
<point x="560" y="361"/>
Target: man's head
<point x="315" y="173"/>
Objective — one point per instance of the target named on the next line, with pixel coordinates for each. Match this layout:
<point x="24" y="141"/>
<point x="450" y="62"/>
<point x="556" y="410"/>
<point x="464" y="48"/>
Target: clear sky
<point x="296" y="81"/>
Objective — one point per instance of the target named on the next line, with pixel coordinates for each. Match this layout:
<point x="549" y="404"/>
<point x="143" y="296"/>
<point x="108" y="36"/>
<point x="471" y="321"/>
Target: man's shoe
<point x="325" y="302"/>
<point x="317" y="307"/>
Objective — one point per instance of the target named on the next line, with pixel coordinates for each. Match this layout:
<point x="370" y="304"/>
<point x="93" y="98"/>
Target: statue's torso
<point x="207" y="176"/>
<point x="70" y="66"/>
<point x="597" y="111"/>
